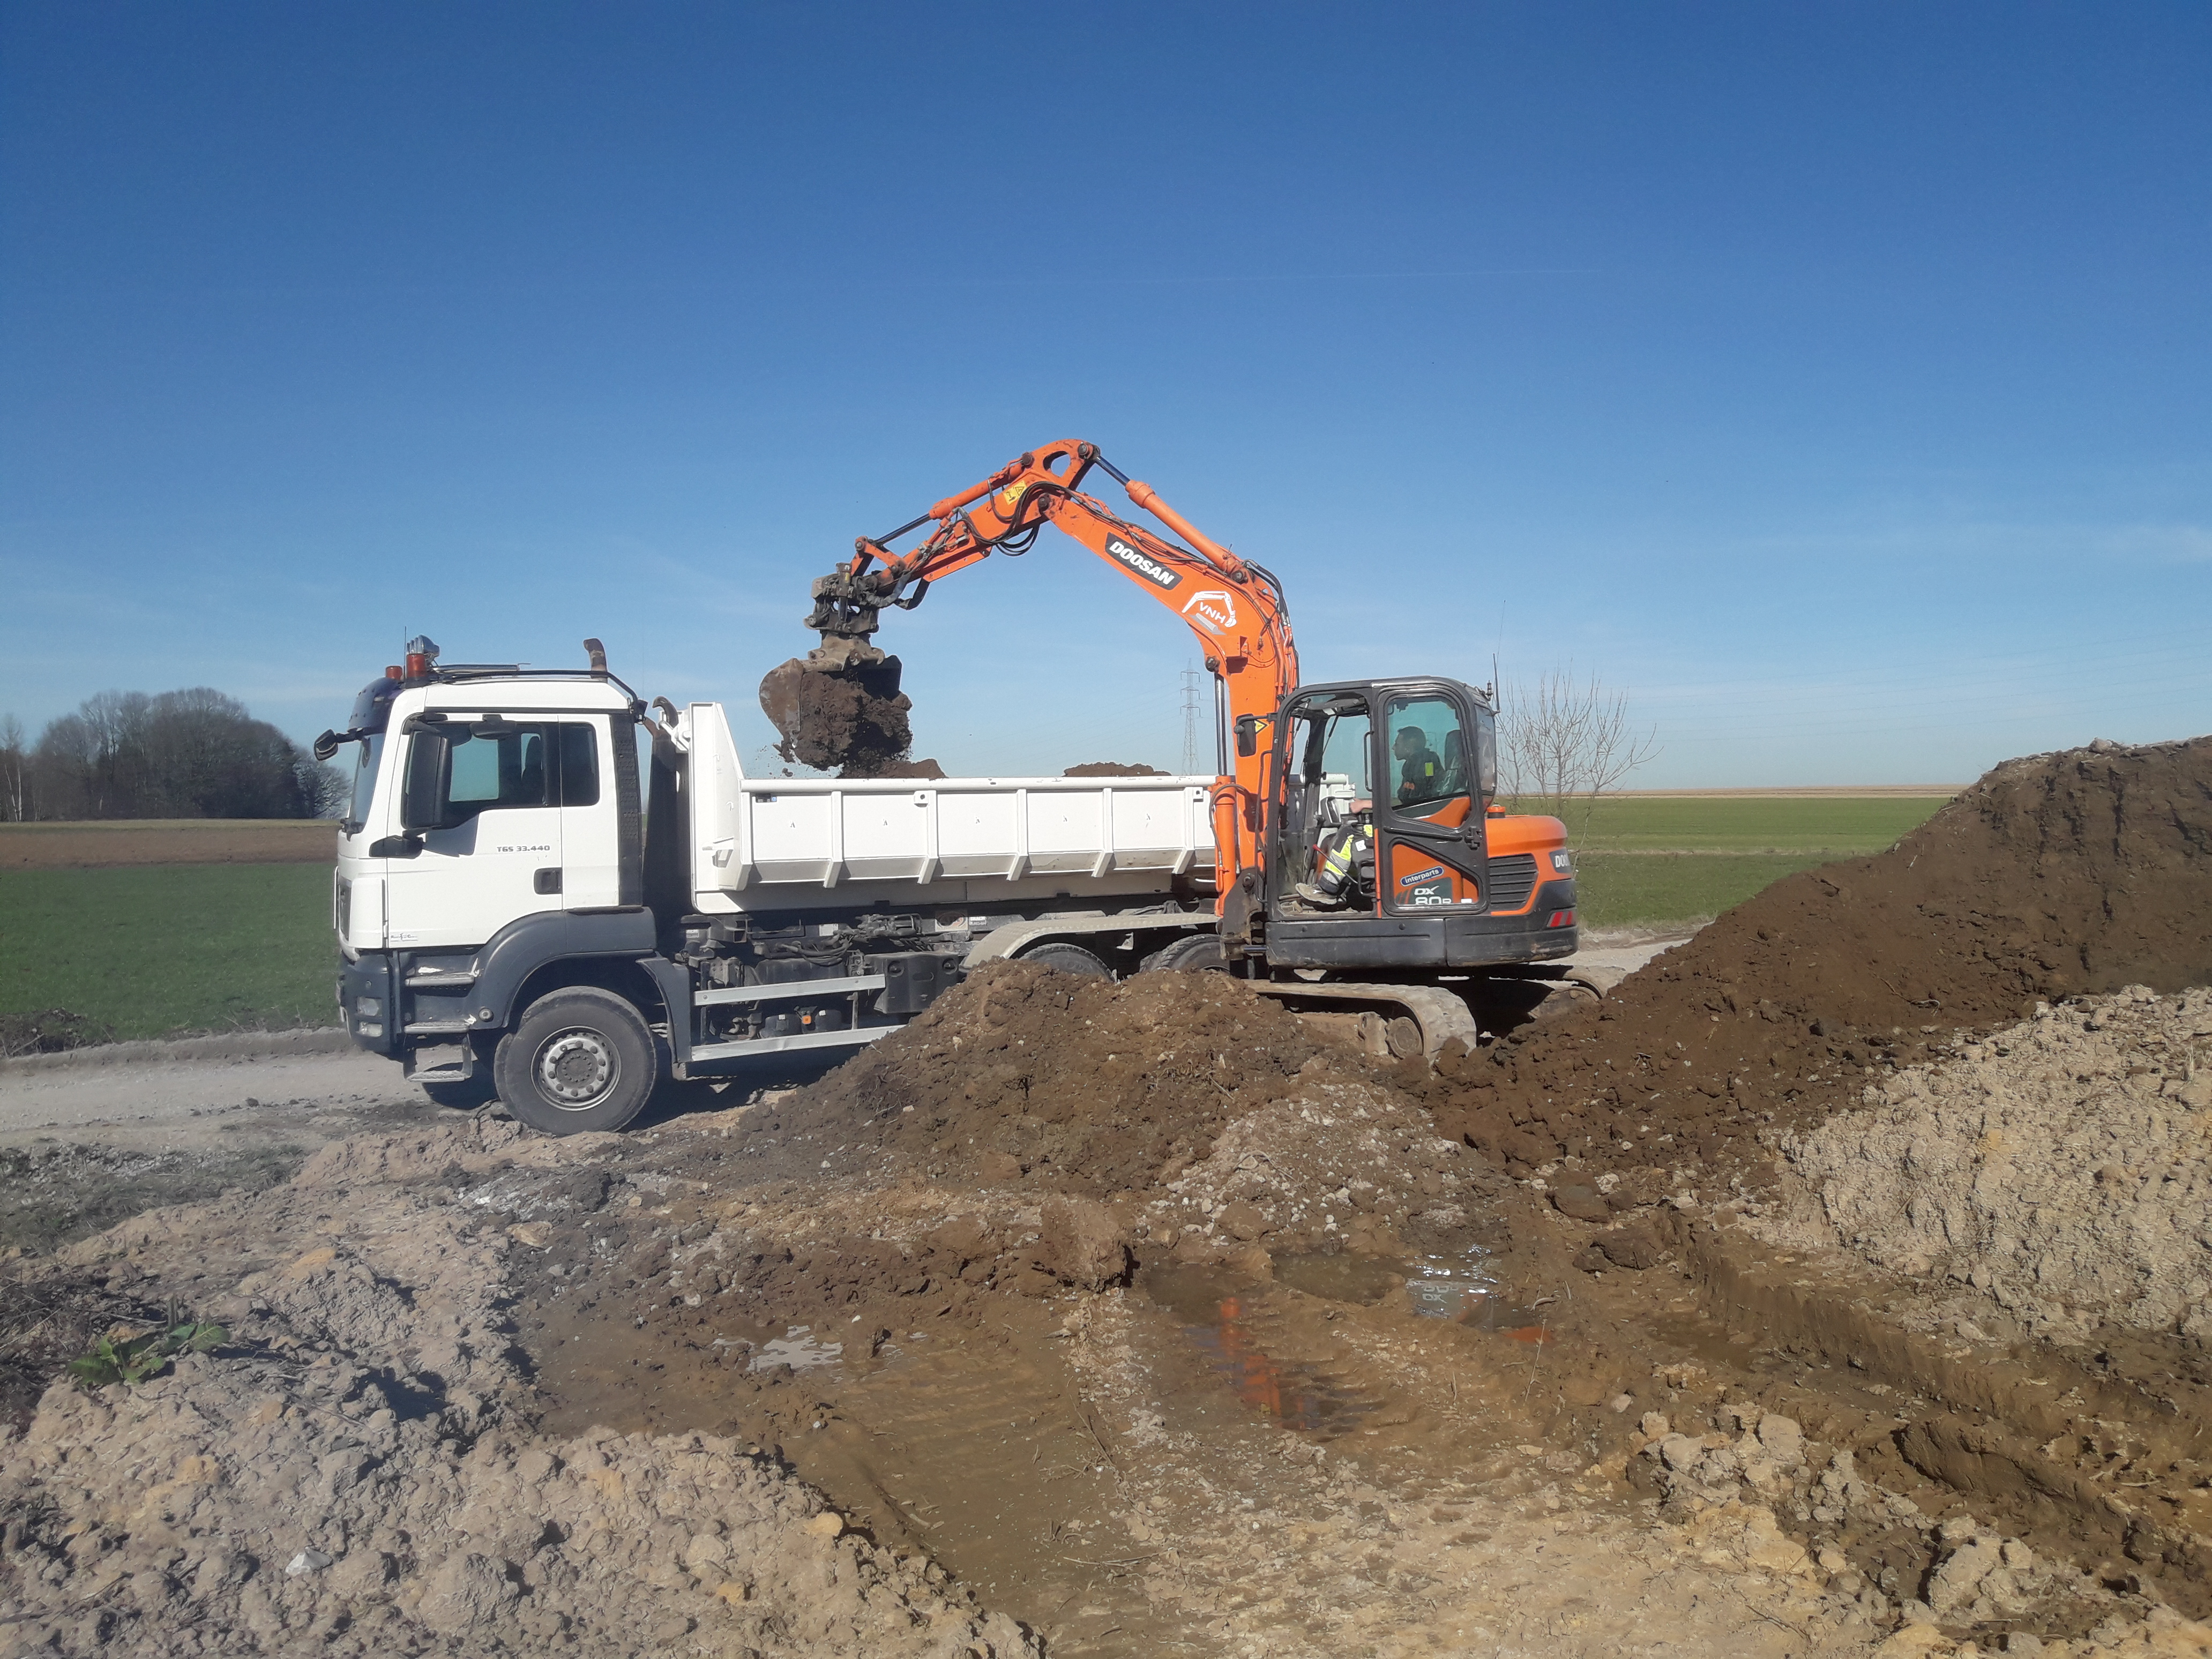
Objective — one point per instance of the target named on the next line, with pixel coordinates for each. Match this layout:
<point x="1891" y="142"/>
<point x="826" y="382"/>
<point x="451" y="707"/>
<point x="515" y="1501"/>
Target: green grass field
<point x="1647" y="890"/>
<point x="154" y="950"/>
<point x="1648" y="863"/>
<point x="1835" y="827"/>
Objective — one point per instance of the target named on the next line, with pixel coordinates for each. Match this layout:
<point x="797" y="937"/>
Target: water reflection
<point x="1437" y="1286"/>
<point x="1218" y="1315"/>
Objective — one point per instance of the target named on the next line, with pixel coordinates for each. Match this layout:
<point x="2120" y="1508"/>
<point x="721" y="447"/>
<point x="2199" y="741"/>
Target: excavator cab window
<point x="1432" y="764"/>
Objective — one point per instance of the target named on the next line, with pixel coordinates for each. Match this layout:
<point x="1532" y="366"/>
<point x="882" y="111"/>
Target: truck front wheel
<point x="581" y="1058"/>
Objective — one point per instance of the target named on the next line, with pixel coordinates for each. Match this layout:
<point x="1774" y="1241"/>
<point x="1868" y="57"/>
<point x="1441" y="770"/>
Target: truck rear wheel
<point x="580" y="1060"/>
<point x="1069" y="959"/>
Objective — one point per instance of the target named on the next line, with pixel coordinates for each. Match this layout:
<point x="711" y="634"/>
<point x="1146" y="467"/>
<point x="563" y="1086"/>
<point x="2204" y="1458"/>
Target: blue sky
<point x="1831" y="380"/>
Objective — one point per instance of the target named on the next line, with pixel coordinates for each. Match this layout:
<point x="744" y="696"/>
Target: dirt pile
<point x="1332" y="1166"/>
<point x="1078" y="1084"/>
<point x="2057" y="1169"/>
<point x="1114" y="769"/>
<point x="354" y="1471"/>
<point x="840" y="709"/>
<point x="2054" y="876"/>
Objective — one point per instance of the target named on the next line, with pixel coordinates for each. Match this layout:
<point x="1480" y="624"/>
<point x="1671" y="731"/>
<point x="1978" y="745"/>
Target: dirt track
<point x="1835" y="1287"/>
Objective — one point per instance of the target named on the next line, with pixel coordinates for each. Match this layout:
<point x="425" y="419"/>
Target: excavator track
<point x="1435" y="1015"/>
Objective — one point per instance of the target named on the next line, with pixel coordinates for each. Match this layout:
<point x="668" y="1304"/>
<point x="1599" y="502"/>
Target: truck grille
<point x="1512" y="878"/>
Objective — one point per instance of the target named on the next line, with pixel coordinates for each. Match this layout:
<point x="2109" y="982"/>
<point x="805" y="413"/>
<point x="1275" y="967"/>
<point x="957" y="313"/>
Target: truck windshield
<point x="364" y="784"/>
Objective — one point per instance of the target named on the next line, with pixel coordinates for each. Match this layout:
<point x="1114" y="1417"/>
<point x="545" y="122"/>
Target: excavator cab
<point x="1416" y="762"/>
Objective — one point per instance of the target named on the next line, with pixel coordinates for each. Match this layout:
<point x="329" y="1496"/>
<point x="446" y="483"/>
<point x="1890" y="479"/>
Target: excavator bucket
<point x="839" y="710"/>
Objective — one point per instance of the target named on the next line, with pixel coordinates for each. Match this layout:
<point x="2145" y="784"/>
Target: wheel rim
<point x="576" y="1069"/>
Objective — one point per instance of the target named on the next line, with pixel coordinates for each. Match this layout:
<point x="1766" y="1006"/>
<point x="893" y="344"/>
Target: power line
<point x="1190" y="721"/>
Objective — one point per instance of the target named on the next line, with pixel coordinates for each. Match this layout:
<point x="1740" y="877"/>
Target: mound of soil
<point x="2054" y="876"/>
<point x="1081" y="1084"/>
<point x="839" y="711"/>
<point x="1114" y="769"/>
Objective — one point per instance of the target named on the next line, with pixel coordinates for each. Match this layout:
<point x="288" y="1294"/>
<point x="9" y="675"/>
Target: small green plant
<point x="135" y="1359"/>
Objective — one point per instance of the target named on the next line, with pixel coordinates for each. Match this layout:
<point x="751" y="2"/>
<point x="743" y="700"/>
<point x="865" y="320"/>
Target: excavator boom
<point x="1234" y="608"/>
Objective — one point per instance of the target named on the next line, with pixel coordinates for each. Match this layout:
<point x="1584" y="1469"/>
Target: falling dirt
<point x="1152" y="1318"/>
<point x="839" y="710"/>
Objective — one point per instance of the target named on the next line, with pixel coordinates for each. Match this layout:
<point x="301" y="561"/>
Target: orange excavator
<point x="1357" y="831"/>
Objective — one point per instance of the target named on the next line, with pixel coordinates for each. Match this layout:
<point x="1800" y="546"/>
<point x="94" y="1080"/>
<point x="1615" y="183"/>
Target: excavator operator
<point x="1347" y="855"/>
<point x="1420" y="773"/>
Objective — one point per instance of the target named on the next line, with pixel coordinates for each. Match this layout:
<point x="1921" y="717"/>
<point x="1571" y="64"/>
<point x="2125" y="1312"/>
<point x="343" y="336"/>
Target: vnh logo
<point x="1143" y="563"/>
<point x="1216" y="608"/>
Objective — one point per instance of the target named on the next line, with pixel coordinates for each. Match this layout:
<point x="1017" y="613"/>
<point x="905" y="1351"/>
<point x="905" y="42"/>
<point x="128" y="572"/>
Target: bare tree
<point x="1564" y="742"/>
<point x="12" y="762"/>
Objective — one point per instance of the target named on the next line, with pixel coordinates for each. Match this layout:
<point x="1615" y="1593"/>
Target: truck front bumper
<point x="367" y="1002"/>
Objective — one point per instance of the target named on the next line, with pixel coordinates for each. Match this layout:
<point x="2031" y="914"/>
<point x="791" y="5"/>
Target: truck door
<point x="479" y="807"/>
<point x="590" y="843"/>
<point x="1433" y="776"/>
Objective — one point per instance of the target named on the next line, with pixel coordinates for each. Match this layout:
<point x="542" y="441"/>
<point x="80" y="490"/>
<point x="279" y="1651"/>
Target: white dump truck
<point x="518" y="909"/>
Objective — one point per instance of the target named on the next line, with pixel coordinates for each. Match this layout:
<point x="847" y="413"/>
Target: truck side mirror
<point x="429" y="763"/>
<point x="1248" y="735"/>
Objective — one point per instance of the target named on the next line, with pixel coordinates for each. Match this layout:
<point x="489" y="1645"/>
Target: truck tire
<point x="1196" y="951"/>
<point x="581" y="1058"/>
<point x="1068" y="958"/>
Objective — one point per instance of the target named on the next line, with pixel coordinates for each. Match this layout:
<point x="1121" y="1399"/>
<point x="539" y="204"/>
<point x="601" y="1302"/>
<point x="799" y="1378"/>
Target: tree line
<point x="197" y="753"/>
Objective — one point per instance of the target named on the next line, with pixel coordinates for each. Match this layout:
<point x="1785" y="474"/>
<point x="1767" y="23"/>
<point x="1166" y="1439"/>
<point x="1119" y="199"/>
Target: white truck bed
<point x="794" y="843"/>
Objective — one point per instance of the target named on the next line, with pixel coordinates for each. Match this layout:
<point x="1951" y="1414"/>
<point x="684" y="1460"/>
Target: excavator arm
<point x="1235" y="608"/>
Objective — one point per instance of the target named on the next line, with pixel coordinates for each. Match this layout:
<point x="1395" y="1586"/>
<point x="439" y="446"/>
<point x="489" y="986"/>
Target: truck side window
<point x="542" y="765"/>
<point x="580" y="765"/>
<point x="508" y="771"/>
